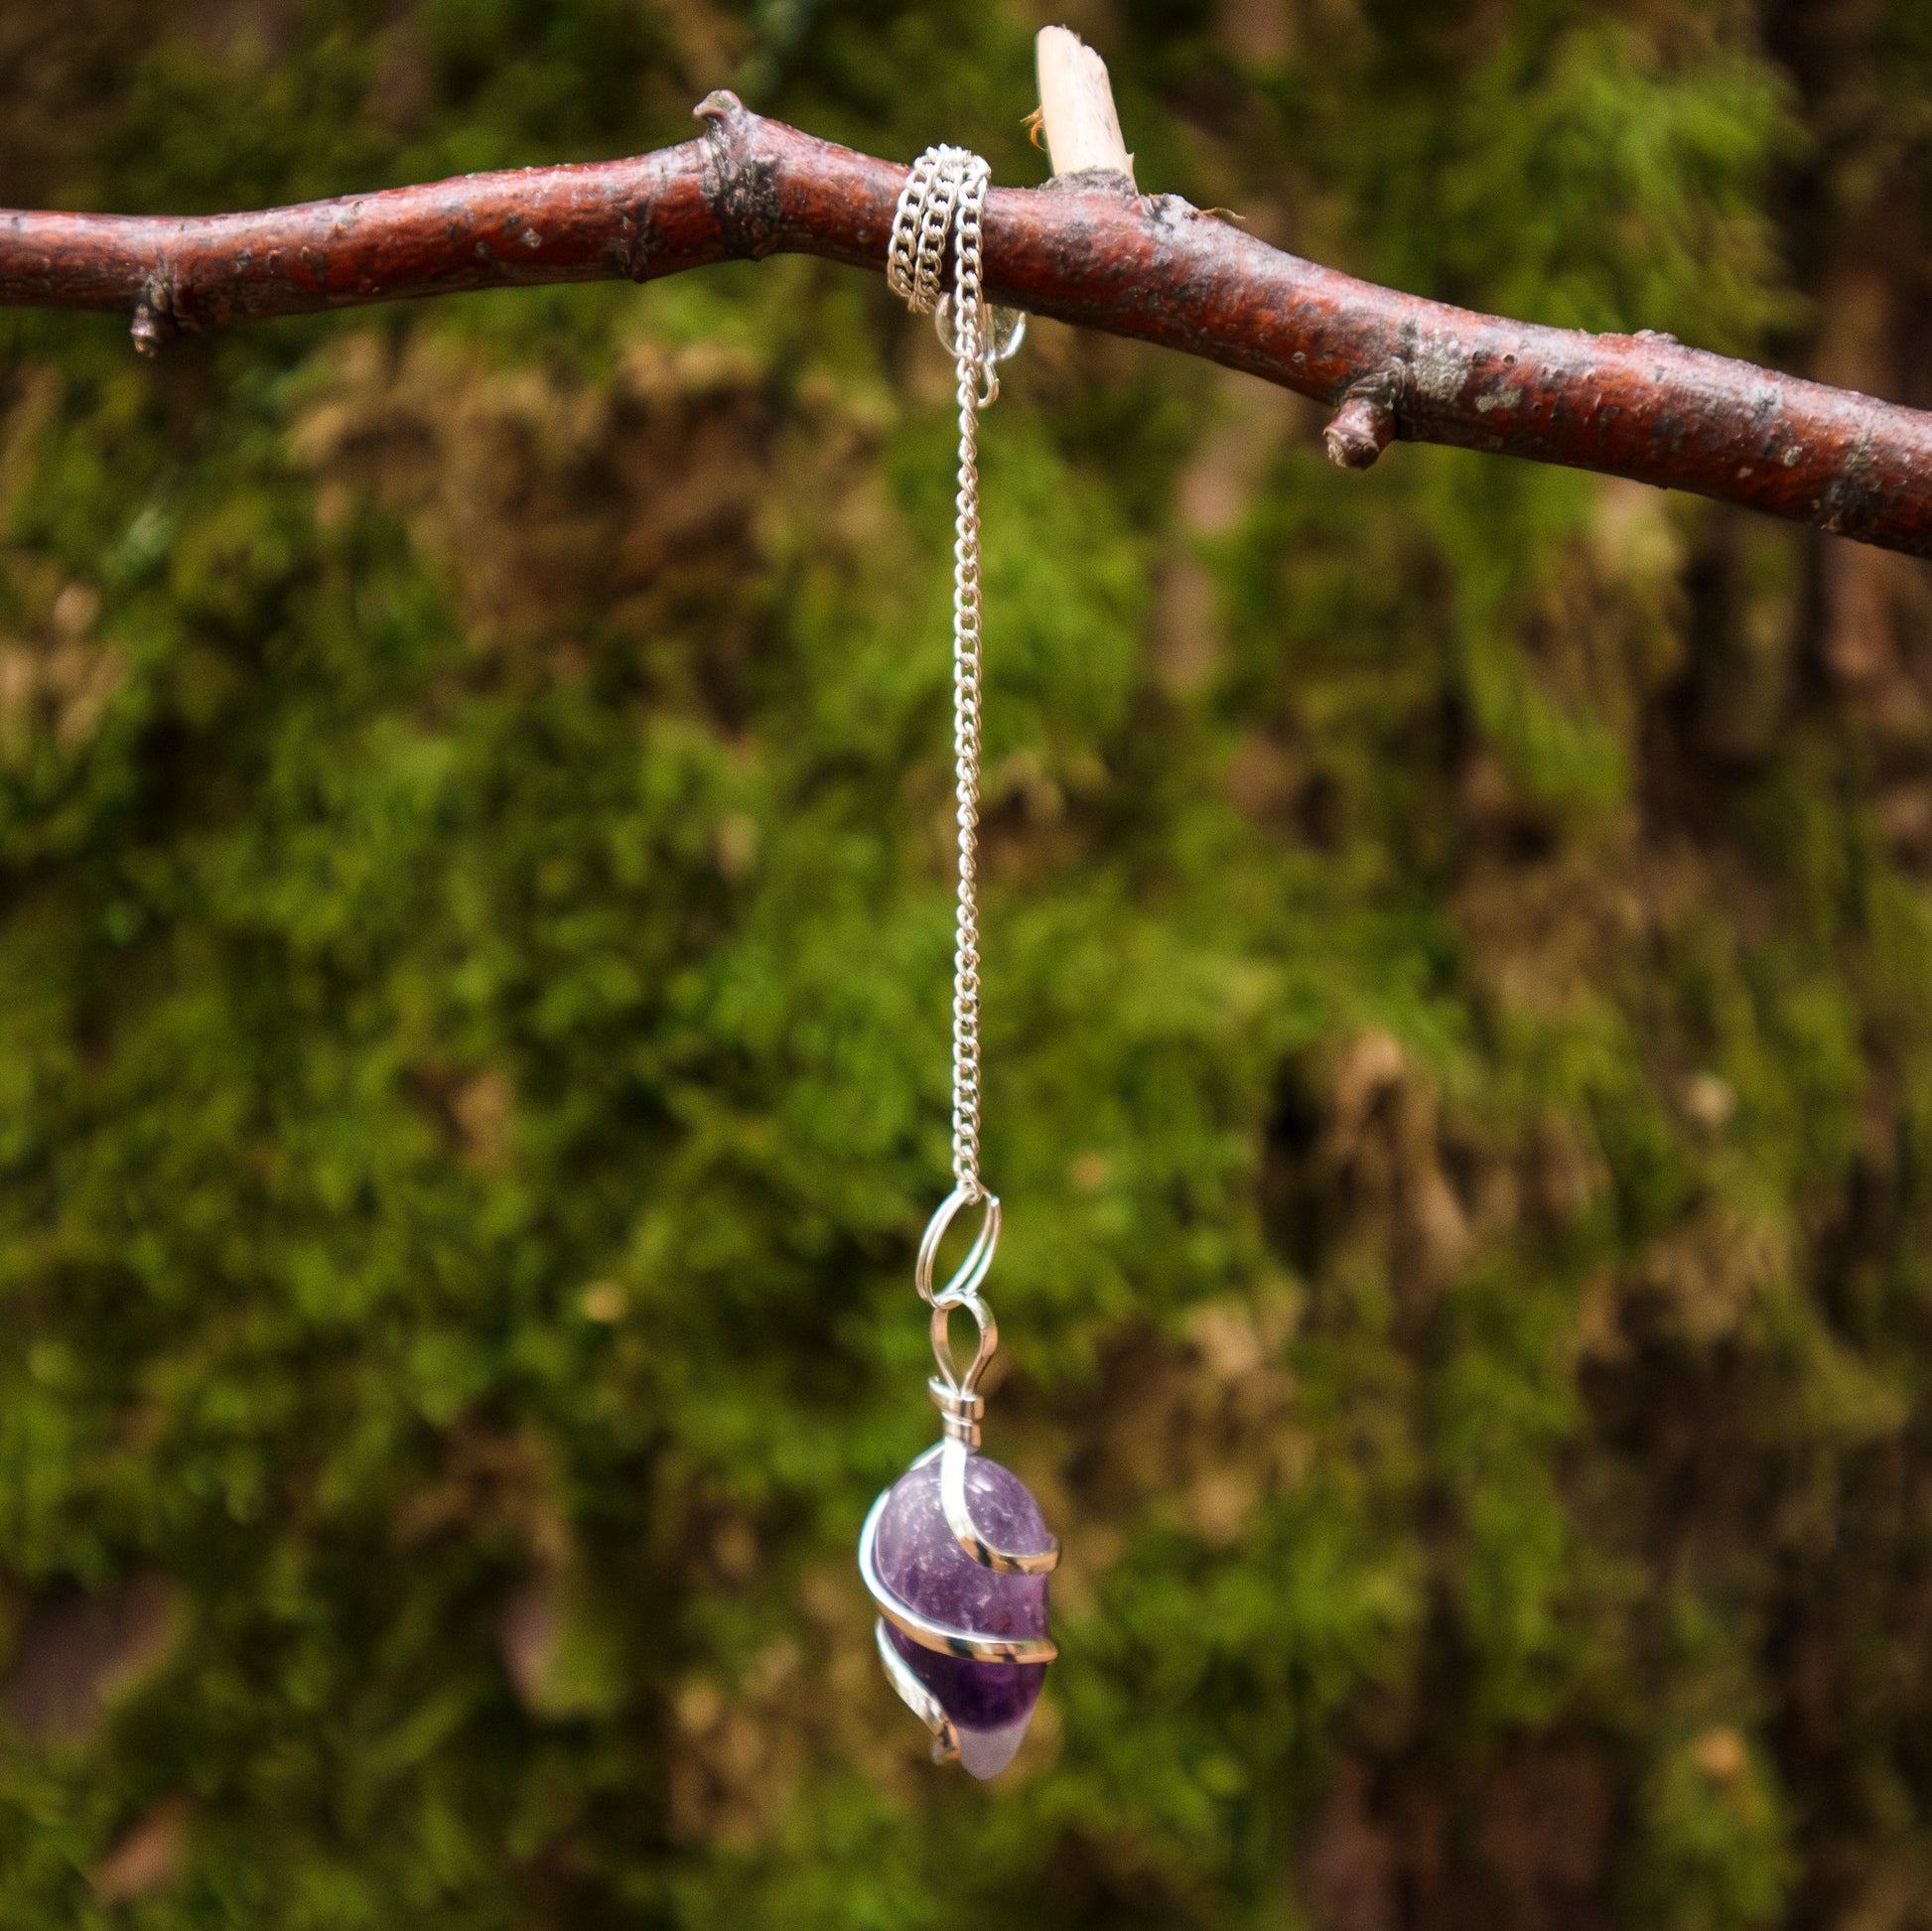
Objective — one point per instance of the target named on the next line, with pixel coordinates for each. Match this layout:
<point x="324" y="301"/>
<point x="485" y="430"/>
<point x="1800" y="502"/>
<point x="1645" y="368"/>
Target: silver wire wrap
<point x="929" y="1632"/>
<point x="916" y="1697"/>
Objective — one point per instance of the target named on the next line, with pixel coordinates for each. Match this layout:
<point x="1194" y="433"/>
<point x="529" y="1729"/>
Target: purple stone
<point x="921" y="1560"/>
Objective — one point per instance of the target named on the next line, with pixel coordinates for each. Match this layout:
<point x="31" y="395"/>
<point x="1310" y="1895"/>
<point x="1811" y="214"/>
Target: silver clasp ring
<point x="976" y="1264"/>
<point x="949" y="1377"/>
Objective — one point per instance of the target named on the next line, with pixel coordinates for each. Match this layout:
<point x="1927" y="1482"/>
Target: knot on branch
<point x="153" y="325"/>
<point x="1365" y="424"/>
<point x="740" y="186"/>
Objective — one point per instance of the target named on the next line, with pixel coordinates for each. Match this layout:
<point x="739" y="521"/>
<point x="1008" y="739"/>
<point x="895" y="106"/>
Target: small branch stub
<point x="1365" y="424"/>
<point x="1077" y="107"/>
<point x="152" y="328"/>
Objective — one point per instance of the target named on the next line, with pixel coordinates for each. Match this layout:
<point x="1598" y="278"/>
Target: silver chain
<point x="946" y="192"/>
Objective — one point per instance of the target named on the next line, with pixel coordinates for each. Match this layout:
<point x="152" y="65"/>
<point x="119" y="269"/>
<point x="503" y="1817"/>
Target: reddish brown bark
<point x="1082" y="249"/>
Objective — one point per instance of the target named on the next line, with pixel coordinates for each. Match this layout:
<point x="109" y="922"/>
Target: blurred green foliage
<point x="475" y="916"/>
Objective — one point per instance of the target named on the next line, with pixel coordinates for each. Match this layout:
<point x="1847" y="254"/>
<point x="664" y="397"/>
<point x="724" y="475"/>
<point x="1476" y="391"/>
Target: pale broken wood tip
<point x="1076" y="107"/>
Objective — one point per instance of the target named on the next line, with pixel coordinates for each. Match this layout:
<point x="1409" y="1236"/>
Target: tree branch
<point x="1083" y="250"/>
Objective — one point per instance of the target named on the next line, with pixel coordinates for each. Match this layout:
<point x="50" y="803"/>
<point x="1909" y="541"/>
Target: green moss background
<point x="474" y="944"/>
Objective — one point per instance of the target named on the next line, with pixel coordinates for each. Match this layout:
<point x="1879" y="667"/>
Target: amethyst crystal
<point x="921" y="1560"/>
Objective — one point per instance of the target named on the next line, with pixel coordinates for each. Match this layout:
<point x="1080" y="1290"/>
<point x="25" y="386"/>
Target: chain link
<point x="946" y="192"/>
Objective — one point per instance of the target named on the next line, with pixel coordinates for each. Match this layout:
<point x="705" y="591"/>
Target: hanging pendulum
<point x="954" y="1552"/>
